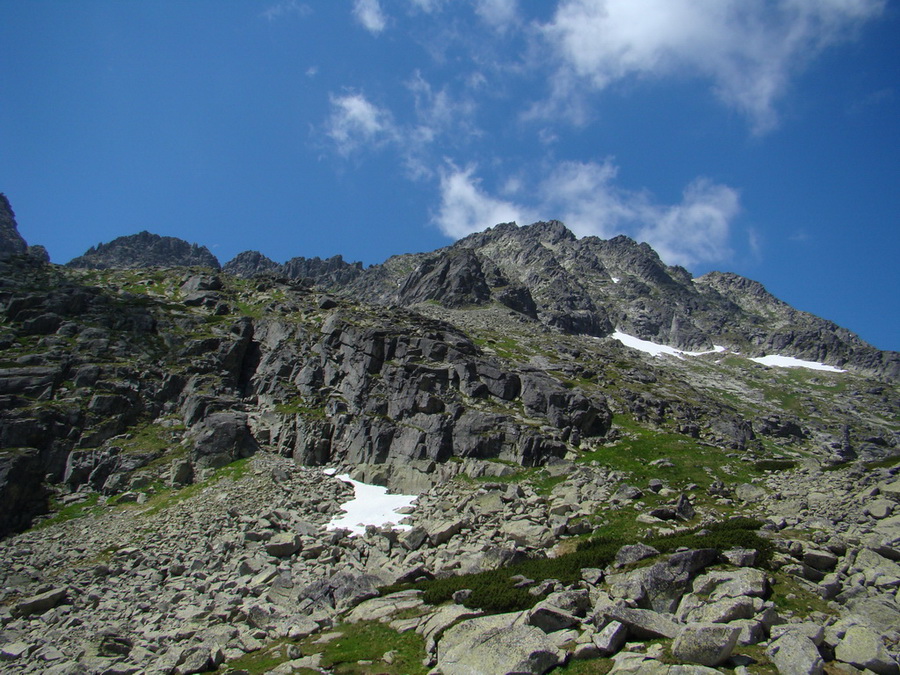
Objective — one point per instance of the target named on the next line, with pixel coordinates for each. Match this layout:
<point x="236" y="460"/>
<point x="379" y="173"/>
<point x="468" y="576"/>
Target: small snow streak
<point x="655" y="349"/>
<point x="776" y="361"/>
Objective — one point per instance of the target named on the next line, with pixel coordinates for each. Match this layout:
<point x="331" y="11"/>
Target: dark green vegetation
<point x="348" y="649"/>
<point x="495" y="590"/>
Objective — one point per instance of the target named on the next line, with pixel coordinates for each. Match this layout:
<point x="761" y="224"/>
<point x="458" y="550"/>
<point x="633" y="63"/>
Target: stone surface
<point x="864" y="649"/>
<point x="706" y="644"/>
<point x="491" y="645"/>
<point x="795" y="654"/>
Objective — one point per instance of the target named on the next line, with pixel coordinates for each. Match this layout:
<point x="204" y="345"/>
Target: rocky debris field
<point x="241" y="566"/>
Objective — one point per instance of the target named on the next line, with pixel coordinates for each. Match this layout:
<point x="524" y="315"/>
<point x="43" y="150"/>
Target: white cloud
<point x="427" y="6"/>
<point x="466" y="208"/>
<point x="439" y="118"/>
<point x="585" y="197"/>
<point x="499" y="14"/>
<point x="370" y="15"/>
<point x="748" y="49"/>
<point x="286" y="8"/>
<point x="697" y="229"/>
<point x="355" y="121"/>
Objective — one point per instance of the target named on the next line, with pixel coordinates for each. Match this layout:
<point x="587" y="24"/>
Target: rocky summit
<point x="613" y="467"/>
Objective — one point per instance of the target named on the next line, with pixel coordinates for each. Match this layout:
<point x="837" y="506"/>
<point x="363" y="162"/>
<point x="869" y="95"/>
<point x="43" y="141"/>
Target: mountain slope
<point x="166" y="428"/>
<point x="592" y="286"/>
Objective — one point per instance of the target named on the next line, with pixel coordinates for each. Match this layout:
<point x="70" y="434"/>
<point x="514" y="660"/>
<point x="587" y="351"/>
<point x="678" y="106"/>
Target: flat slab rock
<point x="496" y="644"/>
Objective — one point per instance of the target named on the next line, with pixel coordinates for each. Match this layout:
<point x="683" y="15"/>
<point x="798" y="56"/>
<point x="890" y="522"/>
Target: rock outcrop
<point x="145" y="250"/>
<point x="593" y="286"/>
<point x="11" y="242"/>
<point x="334" y="271"/>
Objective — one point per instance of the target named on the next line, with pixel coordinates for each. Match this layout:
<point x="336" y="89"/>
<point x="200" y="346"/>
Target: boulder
<point x="665" y="582"/>
<point x="891" y="491"/>
<point x="644" y="624"/>
<point x="550" y="618"/>
<point x="222" y="438"/>
<point x="494" y="645"/>
<point x="747" y="492"/>
<point x="795" y="654"/>
<point x="284" y="544"/>
<point x="880" y="508"/>
<point x="632" y="553"/>
<point x="527" y="533"/>
<point x="610" y="639"/>
<point x="744" y="582"/>
<point x="38" y="604"/>
<point x="862" y="648"/>
<point x="706" y="644"/>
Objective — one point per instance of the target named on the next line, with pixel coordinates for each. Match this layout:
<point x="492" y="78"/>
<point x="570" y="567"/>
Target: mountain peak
<point x="145" y="249"/>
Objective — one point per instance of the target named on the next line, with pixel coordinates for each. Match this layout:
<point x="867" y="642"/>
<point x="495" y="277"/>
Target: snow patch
<point x="659" y="350"/>
<point x="371" y="505"/>
<point x="773" y="360"/>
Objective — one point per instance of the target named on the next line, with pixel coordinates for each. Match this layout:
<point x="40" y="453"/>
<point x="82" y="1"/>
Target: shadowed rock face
<point x="250" y="263"/>
<point x="11" y="242"/>
<point x="329" y="272"/>
<point x="145" y="250"/>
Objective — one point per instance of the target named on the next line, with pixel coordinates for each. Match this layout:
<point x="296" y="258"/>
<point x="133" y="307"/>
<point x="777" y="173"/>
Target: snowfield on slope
<point x="772" y="360"/>
<point x="371" y="505"/>
<point x="790" y="362"/>
<point x="655" y="349"/>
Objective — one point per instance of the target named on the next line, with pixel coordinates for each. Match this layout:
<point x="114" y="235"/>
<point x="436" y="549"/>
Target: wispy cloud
<point x="748" y="50"/>
<point x="499" y="14"/>
<point x="370" y="15"/>
<point x="286" y="8"/>
<point x="427" y="6"/>
<point x="355" y="122"/>
<point x="438" y="118"/>
<point x="466" y="208"/>
<point x="585" y="196"/>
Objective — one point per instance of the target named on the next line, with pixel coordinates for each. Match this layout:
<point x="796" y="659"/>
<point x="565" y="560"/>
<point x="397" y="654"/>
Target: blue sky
<point x="755" y="136"/>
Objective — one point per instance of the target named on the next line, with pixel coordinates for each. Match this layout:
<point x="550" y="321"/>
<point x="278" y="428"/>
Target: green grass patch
<point x="166" y="498"/>
<point x="301" y="409"/>
<point x="494" y="590"/>
<point x="71" y="511"/>
<point x="150" y="438"/>
<point x="361" y="647"/>
<point x="263" y="660"/>
<point x="790" y="596"/>
<point x="775" y="465"/>
<point x="693" y="461"/>
<point x="586" y="667"/>
<point x="887" y="463"/>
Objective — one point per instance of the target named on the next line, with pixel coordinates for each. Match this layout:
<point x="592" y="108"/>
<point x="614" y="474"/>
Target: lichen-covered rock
<point x="863" y="648"/>
<point x="496" y="644"/>
<point x="706" y="644"/>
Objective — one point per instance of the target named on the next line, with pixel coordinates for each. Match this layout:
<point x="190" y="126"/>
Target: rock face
<point x="593" y="286"/>
<point x="396" y="393"/>
<point x="332" y="271"/>
<point x="250" y="263"/>
<point x="145" y="250"/>
<point x="11" y="242"/>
